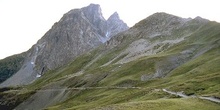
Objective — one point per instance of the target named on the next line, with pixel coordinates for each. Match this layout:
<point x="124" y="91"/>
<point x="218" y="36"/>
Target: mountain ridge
<point x="134" y="70"/>
<point x="78" y="31"/>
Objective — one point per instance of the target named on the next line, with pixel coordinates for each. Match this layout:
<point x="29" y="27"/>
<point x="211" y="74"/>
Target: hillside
<point x="132" y="70"/>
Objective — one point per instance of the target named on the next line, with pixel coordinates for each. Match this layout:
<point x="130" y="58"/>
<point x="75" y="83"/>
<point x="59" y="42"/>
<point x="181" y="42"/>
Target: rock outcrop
<point x="115" y="25"/>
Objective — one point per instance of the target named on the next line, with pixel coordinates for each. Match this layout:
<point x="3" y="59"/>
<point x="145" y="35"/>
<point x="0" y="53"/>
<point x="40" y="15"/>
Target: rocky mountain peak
<point x="158" y="19"/>
<point x="160" y="24"/>
<point x="114" y="16"/>
<point x="93" y="12"/>
<point x="115" y="24"/>
<point x="93" y="8"/>
<point x="78" y="31"/>
<point x="200" y="19"/>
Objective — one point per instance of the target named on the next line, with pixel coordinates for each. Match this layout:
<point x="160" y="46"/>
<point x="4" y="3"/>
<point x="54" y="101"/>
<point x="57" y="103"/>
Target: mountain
<point x="77" y="32"/>
<point x="151" y="65"/>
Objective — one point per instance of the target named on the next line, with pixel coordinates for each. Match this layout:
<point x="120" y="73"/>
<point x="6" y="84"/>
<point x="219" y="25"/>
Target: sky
<point x="24" y="22"/>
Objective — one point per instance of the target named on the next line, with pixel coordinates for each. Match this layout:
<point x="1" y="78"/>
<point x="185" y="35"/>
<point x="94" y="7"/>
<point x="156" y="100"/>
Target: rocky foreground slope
<point x="77" y="32"/>
<point x="131" y="70"/>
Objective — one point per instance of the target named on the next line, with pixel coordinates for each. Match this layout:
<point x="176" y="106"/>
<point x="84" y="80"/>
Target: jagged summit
<point x="93" y="6"/>
<point x="114" y="16"/>
<point x="115" y="24"/>
<point x="78" y="31"/>
<point x="94" y="15"/>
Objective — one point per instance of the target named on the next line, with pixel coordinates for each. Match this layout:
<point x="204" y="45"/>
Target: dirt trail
<point x="181" y="94"/>
<point x="213" y="99"/>
<point x="80" y="88"/>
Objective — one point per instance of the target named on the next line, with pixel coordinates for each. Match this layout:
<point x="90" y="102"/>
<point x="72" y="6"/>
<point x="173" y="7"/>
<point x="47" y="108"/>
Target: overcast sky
<point x="23" y="22"/>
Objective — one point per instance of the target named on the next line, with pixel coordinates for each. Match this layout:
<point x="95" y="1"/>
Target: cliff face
<point x="115" y="25"/>
<point x="77" y="32"/>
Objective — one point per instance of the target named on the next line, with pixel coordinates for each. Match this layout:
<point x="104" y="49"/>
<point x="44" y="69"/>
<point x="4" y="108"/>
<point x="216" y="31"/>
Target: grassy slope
<point x="203" y="72"/>
<point x="204" y="82"/>
<point x="199" y="76"/>
<point x="164" y="104"/>
<point x="9" y="98"/>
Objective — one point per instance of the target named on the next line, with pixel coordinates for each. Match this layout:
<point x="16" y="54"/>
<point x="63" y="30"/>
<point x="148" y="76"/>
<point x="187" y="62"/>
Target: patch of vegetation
<point x="10" y="99"/>
<point x="164" y="104"/>
<point x="10" y="65"/>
